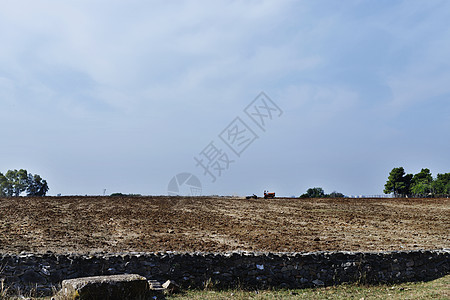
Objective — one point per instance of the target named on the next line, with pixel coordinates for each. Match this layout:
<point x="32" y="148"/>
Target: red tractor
<point x="268" y="195"/>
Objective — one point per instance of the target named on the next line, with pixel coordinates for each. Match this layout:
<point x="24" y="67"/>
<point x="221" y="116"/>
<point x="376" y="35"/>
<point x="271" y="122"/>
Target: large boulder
<point x="127" y="286"/>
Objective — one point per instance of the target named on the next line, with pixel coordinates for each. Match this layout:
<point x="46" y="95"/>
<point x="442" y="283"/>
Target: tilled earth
<point x="218" y="224"/>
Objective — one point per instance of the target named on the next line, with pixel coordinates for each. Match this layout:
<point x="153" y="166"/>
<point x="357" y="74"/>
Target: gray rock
<point x="155" y="285"/>
<point x="127" y="286"/>
<point x="303" y="280"/>
<point x="318" y="282"/>
<point x="171" y="286"/>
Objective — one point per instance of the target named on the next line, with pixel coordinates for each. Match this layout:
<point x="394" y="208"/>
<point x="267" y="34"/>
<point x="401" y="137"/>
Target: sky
<point x="127" y="95"/>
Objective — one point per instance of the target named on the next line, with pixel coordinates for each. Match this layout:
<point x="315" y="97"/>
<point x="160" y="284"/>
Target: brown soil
<point x="123" y="224"/>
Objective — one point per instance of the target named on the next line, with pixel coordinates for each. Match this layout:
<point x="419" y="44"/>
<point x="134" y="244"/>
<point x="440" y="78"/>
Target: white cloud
<point x="125" y="48"/>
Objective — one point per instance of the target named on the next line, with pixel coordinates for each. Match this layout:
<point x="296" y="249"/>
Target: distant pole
<point x="104" y="192"/>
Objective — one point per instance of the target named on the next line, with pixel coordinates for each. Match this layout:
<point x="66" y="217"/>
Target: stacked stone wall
<point x="236" y="269"/>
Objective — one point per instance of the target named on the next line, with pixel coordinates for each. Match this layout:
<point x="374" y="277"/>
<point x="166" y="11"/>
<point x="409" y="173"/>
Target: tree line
<point x="318" y="192"/>
<point x="421" y="184"/>
<point x="14" y="183"/>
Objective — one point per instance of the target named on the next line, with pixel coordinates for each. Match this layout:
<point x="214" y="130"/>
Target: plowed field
<point x="116" y="224"/>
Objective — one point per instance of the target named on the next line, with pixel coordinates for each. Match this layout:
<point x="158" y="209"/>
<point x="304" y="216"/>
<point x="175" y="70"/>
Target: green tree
<point x="18" y="181"/>
<point x="14" y="183"/>
<point x="441" y="185"/>
<point x="422" y="183"/>
<point x="421" y="188"/>
<point x="398" y="182"/>
<point x="316" y="192"/>
<point x="5" y="187"/>
<point x="36" y="186"/>
<point x="336" y="195"/>
<point x="423" y="176"/>
<point x="447" y="189"/>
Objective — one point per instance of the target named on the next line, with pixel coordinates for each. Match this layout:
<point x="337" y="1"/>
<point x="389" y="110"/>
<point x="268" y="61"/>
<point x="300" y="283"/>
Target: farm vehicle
<point x="268" y="195"/>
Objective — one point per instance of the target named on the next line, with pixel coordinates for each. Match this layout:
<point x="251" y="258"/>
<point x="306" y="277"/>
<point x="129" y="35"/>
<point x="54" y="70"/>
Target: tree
<point x="336" y="195"/>
<point x="423" y="176"/>
<point x="398" y="182"/>
<point x="441" y="185"/>
<point x="18" y="181"/>
<point x="447" y="189"/>
<point x="5" y="188"/>
<point x="316" y="192"/>
<point x="14" y="183"/>
<point x="421" y="183"/>
<point x="36" y="186"/>
<point x="421" y="188"/>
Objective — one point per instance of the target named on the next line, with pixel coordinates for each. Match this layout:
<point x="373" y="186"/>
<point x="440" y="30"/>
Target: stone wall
<point x="243" y="269"/>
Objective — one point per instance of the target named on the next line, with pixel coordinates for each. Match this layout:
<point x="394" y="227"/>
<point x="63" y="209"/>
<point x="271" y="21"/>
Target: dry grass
<point x="436" y="289"/>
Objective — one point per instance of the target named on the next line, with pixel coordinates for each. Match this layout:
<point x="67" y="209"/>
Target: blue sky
<point x="123" y="95"/>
